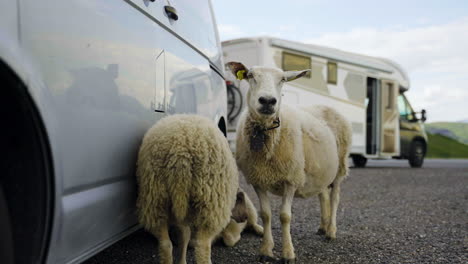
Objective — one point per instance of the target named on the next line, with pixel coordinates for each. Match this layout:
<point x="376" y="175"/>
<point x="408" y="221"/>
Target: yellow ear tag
<point x="240" y="74"/>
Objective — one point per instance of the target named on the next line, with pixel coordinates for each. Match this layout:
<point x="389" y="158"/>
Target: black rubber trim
<point x="217" y="71"/>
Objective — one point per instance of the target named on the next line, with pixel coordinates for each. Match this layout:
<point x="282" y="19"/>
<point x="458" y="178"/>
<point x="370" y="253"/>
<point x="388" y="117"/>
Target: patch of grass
<point x="444" y="147"/>
<point x="460" y="130"/>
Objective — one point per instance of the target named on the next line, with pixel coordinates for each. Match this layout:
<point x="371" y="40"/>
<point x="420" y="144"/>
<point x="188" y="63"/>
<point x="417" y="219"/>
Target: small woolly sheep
<point x="244" y="215"/>
<point x="187" y="177"/>
<point x="289" y="152"/>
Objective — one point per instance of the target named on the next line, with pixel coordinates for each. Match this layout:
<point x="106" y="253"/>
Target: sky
<point x="428" y="38"/>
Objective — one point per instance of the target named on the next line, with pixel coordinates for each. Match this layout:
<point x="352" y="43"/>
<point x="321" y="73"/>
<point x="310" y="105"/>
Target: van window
<point x="196" y="24"/>
<point x="295" y="62"/>
<point x="332" y="72"/>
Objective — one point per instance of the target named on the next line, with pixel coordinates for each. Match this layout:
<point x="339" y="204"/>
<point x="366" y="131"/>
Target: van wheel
<point x="359" y="161"/>
<point x="416" y="155"/>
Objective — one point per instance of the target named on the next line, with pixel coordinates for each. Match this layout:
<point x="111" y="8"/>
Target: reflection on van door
<point x="159" y="101"/>
<point x="389" y="118"/>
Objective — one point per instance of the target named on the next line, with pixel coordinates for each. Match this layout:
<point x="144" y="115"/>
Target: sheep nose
<point x="267" y="100"/>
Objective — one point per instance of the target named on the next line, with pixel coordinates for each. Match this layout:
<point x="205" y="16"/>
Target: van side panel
<point x="102" y="99"/>
<point x="9" y="36"/>
<point x="98" y="65"/>
<point x="9" y="23"/>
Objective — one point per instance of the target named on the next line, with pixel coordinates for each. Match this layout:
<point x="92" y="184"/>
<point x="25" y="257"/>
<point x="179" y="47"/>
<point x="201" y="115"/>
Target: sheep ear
<point x="240" y="197"/>
<point x="293" y="75"/>
<point x="238" y="69"/>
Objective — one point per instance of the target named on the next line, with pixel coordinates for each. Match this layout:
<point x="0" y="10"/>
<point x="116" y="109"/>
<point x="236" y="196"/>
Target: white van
<point x="369" y="91"/>
<point x="82" y="80"/>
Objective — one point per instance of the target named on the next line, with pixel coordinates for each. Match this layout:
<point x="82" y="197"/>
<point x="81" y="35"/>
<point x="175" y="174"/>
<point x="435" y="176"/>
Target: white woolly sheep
<point x="289" y="152"/>
<point x="187" y="177"/>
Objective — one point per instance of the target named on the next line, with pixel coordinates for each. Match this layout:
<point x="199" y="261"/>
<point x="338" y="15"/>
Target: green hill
<point x="459" y="129"/>
<point x="444" y="147"/>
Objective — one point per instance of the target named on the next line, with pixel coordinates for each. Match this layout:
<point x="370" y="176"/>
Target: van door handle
<point x="171" y="12"/>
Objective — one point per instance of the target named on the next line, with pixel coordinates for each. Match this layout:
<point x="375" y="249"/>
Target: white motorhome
<point x="369" y="91"/>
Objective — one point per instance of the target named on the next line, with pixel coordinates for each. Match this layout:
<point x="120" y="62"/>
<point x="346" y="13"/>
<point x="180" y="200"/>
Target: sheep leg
<point x="335" y="200"/>
<point x="324" y="211"/>
<point x="203" y="248"/>
<point x="285" y="217"/>
<point x="165" y="244"/>
<point x="184" y="238"/>
<point x="266" y="249"/>
<point x="253" y="217"/>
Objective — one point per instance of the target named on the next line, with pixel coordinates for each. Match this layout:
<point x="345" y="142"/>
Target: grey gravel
<point x="387" y="214"/>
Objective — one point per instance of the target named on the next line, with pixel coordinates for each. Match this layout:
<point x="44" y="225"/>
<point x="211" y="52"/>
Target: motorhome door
<point x="390" y="133"/>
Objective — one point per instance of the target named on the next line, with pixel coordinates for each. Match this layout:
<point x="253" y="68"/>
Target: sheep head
<point x="239" y="212"/>
<point x="264" y="95"/>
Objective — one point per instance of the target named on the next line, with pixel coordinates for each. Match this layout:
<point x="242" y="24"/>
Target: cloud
<point x="229" y="31"/>
<point x="286" y="28"/>
<point x="435" y="57"/>
<point x="423" y="20"/>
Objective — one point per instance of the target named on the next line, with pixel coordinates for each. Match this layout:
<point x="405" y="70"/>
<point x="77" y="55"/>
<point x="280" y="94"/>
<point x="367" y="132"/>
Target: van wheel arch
<point x="26" y="176"/>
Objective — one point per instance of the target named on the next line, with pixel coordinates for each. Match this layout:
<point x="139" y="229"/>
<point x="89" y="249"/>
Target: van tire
<point x="416" y="155"/>
<point x="6" y="247"/>
<point x="359" y="161"/>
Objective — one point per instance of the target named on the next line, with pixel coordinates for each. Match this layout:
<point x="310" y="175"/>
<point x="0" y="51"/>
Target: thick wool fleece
<point x="186" y="174"/>
<point x="340" y="128"/>
<point x="302" y="152"/>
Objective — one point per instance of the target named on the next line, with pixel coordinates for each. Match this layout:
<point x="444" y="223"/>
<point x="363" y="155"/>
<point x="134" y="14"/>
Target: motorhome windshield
<point x="405" y="109"/>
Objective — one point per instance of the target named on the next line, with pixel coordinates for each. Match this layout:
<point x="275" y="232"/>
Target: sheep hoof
<point x="288" y="261"/>
<point x="258" y="230"/>
<point x="266" y="259"/>
<point x="330" y="239"/>
<point x="321" y="232"/>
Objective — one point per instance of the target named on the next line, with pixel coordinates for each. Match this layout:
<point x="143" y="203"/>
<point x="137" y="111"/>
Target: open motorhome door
<point x="390" y="132"/>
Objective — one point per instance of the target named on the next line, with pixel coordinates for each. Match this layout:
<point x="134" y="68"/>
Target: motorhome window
<point x="406" y="112"/>
<point x="295" y="62"/>
<point x="391" y="95"/>
<point x="332" y="72"/>
<point x="402" y="107"/>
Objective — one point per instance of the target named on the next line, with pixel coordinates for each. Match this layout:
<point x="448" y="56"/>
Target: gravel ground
<point x="391" y="214"/>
